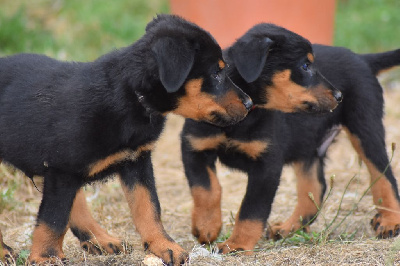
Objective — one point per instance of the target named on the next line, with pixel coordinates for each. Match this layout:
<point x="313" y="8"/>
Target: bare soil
<point x="110" y="209"/>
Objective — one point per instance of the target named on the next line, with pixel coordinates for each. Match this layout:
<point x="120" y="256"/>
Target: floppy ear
<point x="249" y="57"/>
<point x="174" y="59"/>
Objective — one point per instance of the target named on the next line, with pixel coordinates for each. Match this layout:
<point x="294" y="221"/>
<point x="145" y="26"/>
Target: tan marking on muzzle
<point x="196" y="104"/>
<point x="285" y="95"/>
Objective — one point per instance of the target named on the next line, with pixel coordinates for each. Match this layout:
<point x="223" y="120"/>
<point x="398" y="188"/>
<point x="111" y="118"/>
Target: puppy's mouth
<point x="313" y="108"/>
<point x="222" y="120"/>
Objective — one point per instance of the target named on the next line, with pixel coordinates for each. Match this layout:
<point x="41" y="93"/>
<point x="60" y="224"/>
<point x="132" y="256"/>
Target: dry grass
<point x="110" y="209"/>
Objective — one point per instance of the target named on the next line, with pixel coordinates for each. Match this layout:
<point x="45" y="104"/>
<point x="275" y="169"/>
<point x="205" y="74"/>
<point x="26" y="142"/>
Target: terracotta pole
<point x="227" y="20"/>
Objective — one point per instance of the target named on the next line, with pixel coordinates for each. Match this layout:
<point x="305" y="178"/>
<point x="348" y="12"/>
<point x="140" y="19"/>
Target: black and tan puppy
<point x="75" y="123"/>
<point x="266" y="140"/>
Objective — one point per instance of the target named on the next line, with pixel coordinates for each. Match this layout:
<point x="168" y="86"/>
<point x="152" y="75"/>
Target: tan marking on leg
<point x="383" y="195"/>
<point x="287" y="96"/>
<point x="149" y="226"/>
<point x="81" y="219"/>
<point x="221" y="64"/>
<point x="307" y="182"/>
<point x="46" y="246"/>
<point x="206" y="214"/>
<point x="205" y="143"/>
<point x="253" y="149"/>
<point x="310" y="57"/>
<point x="244" y="237"/>
<point x="5" y="251"/>
<point x="125" y="155"/>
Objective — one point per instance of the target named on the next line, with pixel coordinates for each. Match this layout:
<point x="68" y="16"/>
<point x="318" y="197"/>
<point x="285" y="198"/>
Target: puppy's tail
<point x="382" y="61"/>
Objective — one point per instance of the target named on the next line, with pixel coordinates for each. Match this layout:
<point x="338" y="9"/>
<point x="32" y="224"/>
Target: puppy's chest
<point x="141" y="140"/>
<point x="123" y="155"/>
<point x="252" y="148"/>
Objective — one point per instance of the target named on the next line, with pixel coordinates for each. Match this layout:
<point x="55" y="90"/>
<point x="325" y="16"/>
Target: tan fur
<point x="195" y="103"/>
<point x="118" y="157"/>
<point x="306" y="208"/>
<point x="200" y="106"/>
<point x="310" y="57"/>
<point x="82" y="219"/>
<point x="3" y="250"/>
<point x="286" y="95"/>
<point x="206" y="214"/>
<point x="207" y="143"/>
<point x="382" y="192"/>
<point x="148" y="224"/>
<point x="221" y="64"/>
<point x="44" y="240"/>
<point x="253" y="149"/>
<point x="245" y="236"/>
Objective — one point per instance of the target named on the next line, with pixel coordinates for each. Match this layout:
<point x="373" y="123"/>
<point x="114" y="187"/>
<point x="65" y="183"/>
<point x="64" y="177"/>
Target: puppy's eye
<point x="216" y="75"/>
<point x="305" y="66"/>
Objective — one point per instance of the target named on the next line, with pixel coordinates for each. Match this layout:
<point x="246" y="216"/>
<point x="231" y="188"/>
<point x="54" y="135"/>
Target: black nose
<point x="248" y="103"/>
<point x="338" y="96"/>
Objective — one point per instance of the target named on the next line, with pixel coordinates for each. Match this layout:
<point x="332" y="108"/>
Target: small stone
<point x="152" y="260"/>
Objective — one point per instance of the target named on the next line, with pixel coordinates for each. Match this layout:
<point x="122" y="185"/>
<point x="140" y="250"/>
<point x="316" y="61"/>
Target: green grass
<point x="83" y="30"/>
<point x="73" y="29"/>
<point x="367" y="25"/>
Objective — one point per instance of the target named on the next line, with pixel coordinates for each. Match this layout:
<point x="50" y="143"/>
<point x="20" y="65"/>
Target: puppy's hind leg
<point x="311" y="187"/>
<point x="93" y="238"/>
<point x="5" y="251"/>
<point x="206" y="191"/>
<point x="52" y="222"/>
<point x="371" y="149"/>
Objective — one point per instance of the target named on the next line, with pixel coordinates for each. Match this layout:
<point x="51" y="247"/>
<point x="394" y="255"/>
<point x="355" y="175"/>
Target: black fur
<point x="59" y="118"/>
<point x="297" y="137"/>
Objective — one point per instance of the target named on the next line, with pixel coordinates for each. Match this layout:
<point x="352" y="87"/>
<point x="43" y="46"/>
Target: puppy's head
<point x="275" y="67"/>
<point x="192" y="73"/>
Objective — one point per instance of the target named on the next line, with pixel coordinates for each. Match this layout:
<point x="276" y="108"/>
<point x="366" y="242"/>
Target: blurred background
<point x="83" y="30"/>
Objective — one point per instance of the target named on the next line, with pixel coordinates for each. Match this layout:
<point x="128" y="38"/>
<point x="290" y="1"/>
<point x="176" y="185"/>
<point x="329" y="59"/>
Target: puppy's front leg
<point x="137" y="180"/>
<point x="255" y="209"/>
<point x="199" y="156"/>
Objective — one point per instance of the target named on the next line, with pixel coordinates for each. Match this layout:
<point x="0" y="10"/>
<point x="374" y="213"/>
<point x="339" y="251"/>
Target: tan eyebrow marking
<point x="221" y="64"/>
<point x="310" y="57"/>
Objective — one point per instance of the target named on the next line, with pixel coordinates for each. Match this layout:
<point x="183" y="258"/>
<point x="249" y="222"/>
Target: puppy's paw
<point x="170" y="252"/>
<point x="281" y="230"/>
<point x="386" y="225"/>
